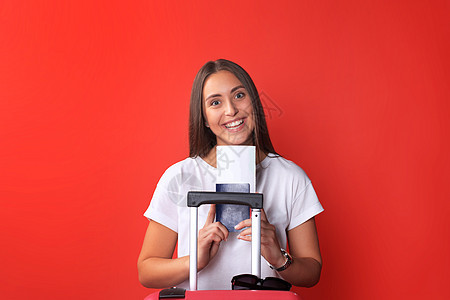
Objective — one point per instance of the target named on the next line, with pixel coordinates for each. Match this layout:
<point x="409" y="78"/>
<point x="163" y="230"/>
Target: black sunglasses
<point x="252" y="282"/>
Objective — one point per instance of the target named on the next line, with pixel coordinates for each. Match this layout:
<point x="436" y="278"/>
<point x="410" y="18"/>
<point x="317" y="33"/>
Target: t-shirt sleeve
<point x="162" y="208"/>
<point x="305" y="206"/>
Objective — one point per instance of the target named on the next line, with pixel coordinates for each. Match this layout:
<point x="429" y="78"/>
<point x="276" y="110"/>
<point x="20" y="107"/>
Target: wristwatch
<point x="286" y="264"/>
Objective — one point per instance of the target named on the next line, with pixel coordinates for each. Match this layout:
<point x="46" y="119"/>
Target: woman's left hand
<point x="270" y="247"/>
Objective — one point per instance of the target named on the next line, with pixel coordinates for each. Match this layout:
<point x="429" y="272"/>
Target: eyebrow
<point x="232" y="91"/>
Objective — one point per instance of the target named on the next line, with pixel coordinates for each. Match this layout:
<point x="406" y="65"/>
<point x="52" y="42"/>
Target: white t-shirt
<point x="289" y="200"/>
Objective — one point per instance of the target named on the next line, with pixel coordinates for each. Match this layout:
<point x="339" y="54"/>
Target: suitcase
<point x="255" y="202"/>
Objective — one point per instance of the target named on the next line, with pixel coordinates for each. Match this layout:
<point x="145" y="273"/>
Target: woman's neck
<point x="210" y="158"/>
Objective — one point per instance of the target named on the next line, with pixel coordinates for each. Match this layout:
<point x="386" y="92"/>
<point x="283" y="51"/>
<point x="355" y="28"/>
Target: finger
<point x="267" y="231"/>
<point x="264" y="231"/>
<point x="248" y="222"/>
<point x="247" y="238"/>
<point x="216" y="238"/>
<point x="215" y="229"/>
<point x="245" y="223"/>
<point x="213" y="250"/>
<point x="263" y="215"/>
<point x="223" y="229"/>
<point x="245" y="232"/>
<point x="211" y="215"/>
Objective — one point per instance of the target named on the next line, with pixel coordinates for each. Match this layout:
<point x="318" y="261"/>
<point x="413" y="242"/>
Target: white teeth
<point x="234" y="124"/>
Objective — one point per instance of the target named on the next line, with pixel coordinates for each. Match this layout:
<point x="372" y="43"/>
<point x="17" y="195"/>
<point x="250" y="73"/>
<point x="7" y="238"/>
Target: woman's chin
<point x="238" y="141"/>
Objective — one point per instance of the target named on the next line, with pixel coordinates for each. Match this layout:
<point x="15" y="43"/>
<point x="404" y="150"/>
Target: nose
<point x="230" y="108"/>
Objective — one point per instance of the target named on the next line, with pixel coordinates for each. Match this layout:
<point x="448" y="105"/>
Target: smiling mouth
<point x="234" y="124"/>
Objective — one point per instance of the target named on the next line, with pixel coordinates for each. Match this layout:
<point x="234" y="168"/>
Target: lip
<point x="237" y="128"/>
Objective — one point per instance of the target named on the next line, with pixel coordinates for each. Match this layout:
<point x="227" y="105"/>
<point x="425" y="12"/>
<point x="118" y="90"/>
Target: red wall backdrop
<point x="94" y="107"/>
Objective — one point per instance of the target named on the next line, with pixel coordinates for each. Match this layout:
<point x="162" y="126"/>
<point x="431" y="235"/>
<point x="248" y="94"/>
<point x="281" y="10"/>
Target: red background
<point x="94" y="107"/>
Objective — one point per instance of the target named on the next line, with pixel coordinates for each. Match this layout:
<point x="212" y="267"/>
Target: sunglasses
<point x="252" y="282"/>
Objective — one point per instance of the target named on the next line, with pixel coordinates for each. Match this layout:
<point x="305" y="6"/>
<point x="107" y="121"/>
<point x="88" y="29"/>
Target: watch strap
<point x="287" y="263"/>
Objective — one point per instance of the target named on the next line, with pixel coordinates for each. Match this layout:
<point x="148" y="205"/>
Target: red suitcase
<point x="255" y="201"/>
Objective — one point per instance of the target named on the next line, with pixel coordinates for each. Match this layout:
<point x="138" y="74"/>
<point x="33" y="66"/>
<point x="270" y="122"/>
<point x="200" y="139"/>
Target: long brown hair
<point x="201" y="138"/>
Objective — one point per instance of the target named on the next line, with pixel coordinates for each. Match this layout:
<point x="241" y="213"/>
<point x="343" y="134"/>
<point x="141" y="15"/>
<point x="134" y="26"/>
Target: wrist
<point x="186" y="262"/>
<point x="279" y="262"/>
<point x="283" y="263"/>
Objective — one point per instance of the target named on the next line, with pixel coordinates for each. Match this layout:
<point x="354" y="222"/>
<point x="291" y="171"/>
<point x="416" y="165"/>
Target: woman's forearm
<point x="155" y="272"/>
<point x="304" y="271"/>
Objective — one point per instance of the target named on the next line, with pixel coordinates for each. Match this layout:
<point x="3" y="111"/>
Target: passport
<point x="232" y="214"/>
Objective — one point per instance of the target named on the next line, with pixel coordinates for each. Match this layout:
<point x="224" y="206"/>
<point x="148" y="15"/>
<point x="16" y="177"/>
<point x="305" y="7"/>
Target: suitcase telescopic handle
<point x="195" y="199"/>
<point x="254" y="200"/>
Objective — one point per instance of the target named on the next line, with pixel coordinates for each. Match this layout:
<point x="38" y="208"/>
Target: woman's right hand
<point x="209" y="238"/>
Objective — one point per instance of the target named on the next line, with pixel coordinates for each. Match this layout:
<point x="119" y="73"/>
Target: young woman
<point x="225" y="109"/>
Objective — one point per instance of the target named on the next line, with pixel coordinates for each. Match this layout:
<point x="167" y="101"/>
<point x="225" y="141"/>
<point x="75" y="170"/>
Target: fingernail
<point x="236" y="227"/>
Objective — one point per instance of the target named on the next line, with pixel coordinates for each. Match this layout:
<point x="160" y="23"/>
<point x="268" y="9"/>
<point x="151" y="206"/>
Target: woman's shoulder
<point x="282" y="164"/>
<point x="281" y="168"/>
<point x="181" y="166"/>
<point x="177" y="180"/>
<point x="182" y="163"/>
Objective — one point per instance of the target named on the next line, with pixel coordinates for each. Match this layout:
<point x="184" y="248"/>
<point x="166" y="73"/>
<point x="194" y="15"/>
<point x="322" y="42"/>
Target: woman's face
<point x="228" y="109"/>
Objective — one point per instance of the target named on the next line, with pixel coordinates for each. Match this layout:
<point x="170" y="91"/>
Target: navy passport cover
<point x="231" y="214"/>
